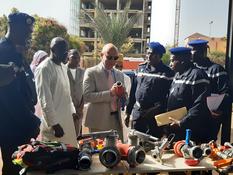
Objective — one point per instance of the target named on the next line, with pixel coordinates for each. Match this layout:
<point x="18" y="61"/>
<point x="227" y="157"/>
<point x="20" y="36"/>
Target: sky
<point x="195" y="16"/>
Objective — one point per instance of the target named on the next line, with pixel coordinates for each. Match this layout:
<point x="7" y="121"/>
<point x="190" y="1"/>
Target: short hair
<point x="73" y="51"/>
<point x="57" y="41"/>
<point x="108" y="47"/>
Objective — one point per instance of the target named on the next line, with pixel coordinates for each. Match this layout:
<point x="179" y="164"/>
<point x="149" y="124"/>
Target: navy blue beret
<point x="180" y="50"/>
<point x="198" y="43"/>
<point x="20" y="18"/>
<point x="156" y="47"/>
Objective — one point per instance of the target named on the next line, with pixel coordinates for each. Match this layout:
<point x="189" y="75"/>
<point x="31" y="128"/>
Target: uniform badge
<point x="29" y="21"/>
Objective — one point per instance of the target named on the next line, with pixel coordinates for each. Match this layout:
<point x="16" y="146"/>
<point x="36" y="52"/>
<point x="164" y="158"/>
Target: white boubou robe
<point x="53" y="91"/>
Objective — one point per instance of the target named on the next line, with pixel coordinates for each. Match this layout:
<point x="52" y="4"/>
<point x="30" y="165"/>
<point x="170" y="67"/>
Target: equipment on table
<point x="150" y="143"/>
<point x="109" y="155"/>
<point x="112" y="150"/>
<point x="120" y="92"/>
<point x="133" y="154"/>
<point x="187" y="149"/>
<point x="85" y="155"/>
<point x="47" y="156"/>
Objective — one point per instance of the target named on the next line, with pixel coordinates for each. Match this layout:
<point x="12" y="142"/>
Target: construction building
<point x="140" y="33"/>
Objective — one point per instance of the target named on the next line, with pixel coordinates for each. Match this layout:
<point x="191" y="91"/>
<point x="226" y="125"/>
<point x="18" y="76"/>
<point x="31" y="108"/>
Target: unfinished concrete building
<point x="140" y="33"/>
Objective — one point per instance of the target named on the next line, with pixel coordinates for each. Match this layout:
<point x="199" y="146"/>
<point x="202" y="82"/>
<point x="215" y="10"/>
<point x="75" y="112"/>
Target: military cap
<point x="156" y="47"/>
<point x="198" y="43"/>
<point x="20" y="18"/>
<point x="180" y="50"/>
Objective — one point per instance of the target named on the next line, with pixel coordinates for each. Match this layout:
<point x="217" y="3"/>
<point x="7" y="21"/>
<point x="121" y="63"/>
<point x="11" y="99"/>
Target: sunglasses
<point x="109" y="57"/>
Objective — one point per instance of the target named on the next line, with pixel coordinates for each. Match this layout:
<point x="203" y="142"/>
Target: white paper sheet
<point x="214" y="101"/>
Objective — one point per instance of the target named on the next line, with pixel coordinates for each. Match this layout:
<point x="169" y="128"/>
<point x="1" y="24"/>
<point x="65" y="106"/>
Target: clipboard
<point x="178" y="114"/>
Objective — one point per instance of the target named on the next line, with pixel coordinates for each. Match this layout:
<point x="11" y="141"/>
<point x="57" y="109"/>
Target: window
<point x="149" y="17"/>
<point x="149" y="5"/>
<point x="148" y="28"/>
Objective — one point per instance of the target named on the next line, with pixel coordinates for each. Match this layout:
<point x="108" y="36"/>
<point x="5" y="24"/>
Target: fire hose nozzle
<point x="136" y="156"/>
<point x="109" y="156"/>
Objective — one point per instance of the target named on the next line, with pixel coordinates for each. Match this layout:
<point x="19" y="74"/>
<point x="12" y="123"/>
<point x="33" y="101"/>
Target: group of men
<point x="61" y="92"/>
<point x="56" y="86"/>
<point x="155" y="90"/>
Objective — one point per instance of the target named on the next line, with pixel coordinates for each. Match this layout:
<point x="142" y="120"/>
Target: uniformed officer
<point x="218" y="83"/>
<point x="18" y="96"/>
<point x="189" y="89"/>
<point x="7" y="73"/>
<point x="149" y="91"/>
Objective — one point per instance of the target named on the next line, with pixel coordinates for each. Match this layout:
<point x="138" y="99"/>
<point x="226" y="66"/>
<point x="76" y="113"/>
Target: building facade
<point x="215" y="43"/>
<point x="140" y="34"/>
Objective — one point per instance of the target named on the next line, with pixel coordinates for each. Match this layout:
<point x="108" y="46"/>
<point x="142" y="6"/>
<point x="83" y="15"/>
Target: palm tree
<point x="113" y="28"/>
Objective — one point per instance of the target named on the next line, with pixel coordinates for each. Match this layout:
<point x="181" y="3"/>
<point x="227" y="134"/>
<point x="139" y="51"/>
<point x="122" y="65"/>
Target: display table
<point x="171" y="163"/>
<point x="96" y="168"/>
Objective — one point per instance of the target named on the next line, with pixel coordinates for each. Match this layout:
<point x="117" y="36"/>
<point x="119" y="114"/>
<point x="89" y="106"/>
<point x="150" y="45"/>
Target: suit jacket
<point x="97" y="93"/>
<point x="76" y="89"/>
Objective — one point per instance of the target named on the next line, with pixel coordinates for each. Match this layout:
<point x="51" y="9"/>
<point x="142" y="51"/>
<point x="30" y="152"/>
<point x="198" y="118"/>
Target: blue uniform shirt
<point x="17" y="99"/>
<point x="150" y="87"/>
<point x="190" y="90"/>
<point x="217" y="75"/>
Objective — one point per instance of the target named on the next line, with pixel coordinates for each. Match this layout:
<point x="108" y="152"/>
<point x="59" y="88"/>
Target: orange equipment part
<point x="177" y="148"/>
<point x="215" y="149"/>
<point x="223" y="162"/>
<point x="192" y="162"/>
<point x="123" y="148"/>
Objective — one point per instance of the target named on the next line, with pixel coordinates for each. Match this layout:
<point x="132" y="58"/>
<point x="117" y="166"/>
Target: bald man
<point x="53" y="88"/>
<point x="103" y="112"/>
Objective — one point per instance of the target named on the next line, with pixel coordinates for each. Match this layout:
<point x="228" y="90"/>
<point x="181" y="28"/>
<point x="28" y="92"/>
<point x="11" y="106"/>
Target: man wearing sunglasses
<point x="53" y="89"/>
<point x="99" y="90"/>
<point x="149" y="91"/>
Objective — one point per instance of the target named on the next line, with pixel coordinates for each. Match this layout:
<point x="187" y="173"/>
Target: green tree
<point x="113" y="28"/>
<point x="217" y="57"/>
<point x="3" y="25"/>
<point x="166" y="58"/>
<point x="3" y="22"/>
<point x="14" y="10"/>
<point x="45" y="29"/>
<point x="76" y="43"/>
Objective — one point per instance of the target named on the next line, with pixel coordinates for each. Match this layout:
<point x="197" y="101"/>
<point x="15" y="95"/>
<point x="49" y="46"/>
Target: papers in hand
<point x="177" y="114"/>
<point x="214" y="101"/>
